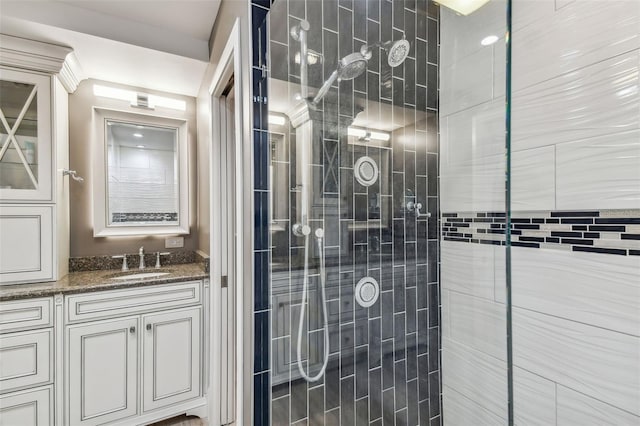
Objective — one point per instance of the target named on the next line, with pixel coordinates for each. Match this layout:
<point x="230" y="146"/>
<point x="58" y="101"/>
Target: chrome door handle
<point x="132" y="330"/>
<point x="149" y="326"/>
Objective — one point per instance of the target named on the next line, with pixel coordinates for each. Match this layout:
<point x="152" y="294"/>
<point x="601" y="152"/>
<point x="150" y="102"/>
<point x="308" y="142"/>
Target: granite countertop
<point x="81" y="282"/>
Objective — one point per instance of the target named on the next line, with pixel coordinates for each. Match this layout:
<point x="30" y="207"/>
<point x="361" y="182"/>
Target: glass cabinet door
<point x="25" y="136"/>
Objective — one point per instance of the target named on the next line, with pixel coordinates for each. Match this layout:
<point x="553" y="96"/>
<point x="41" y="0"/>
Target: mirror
<point x="141" y="177"/>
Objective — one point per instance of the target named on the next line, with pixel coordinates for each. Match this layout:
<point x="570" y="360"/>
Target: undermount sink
<point x="138" y="275"/>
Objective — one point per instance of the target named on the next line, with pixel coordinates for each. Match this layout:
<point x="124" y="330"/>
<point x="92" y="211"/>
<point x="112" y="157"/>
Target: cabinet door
<point x="25" y="136"/>
<point x="102" y="370"/>
<point x="32" y="407"/>
<point x="171" y="359"/>
<point x="26" y="243"/>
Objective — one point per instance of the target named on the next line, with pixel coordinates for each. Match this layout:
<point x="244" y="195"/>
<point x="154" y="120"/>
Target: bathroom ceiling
<point x="153" y="44"/>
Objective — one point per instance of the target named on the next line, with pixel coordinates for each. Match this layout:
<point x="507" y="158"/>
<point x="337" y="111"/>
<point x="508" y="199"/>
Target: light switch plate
<point x="174" y="242"/>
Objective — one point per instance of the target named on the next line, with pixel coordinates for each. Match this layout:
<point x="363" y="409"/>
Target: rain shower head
<point x="398" y="52"/>
<point x="354" y="64"/>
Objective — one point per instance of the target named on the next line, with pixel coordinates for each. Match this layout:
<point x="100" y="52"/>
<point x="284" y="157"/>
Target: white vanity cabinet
<point x="171" y="357"/>
<point x="147" y="359"/>
<point x="26" y="362"/>
<point x="102" y="371"/>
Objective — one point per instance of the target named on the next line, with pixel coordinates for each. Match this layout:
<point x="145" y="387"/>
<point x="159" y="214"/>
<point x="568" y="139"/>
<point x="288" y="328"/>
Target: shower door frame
<point x="231" y="66"/>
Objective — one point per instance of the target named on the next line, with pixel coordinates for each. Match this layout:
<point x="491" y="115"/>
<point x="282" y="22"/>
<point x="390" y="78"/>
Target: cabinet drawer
<point x="116" y="303"/>
<point x="26" y="243"/>
<point x="27" y="314"/>
<point x="26" y="359"/>
<point x="32" y="407"/>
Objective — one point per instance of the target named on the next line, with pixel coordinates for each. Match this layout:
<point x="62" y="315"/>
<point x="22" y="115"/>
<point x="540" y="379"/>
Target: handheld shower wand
<point x="325" y="360"/>
<point x="304" y="135"/>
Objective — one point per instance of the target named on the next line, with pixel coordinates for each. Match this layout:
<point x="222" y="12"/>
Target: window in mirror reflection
<point x="142" y="166"/>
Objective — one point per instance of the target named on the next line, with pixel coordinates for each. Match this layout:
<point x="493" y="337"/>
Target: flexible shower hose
<point x="305" y="287"/>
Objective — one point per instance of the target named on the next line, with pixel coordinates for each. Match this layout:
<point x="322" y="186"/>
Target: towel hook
<point x="73" y="174"/>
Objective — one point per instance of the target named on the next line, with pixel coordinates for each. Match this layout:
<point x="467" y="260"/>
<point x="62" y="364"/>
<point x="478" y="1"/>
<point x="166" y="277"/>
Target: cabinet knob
<point x="149" y="327"/>
<point x="132" y="329"/>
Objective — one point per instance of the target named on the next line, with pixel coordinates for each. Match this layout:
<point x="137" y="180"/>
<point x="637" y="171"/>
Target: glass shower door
<point x="475" y="219"/>
<point x="353" y="129"/>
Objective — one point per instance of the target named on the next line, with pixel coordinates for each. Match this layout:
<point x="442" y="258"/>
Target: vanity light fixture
<point x="137" y="135"/>
<point x="140" y="146"/>
<point x="136" y="99"/>
<point x="278" y="120"/>
<point x="358" y="133"/>
<point x="489" y="40"/>
<point x="365" y="134"/>
<point x="379" y="136"/>
<point x="463" y="7"/>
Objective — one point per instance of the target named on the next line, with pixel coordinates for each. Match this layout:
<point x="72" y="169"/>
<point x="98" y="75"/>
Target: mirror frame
<point x="101" y="227"/>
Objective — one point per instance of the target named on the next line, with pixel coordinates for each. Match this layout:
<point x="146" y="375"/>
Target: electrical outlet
<point x="174" y="242"/>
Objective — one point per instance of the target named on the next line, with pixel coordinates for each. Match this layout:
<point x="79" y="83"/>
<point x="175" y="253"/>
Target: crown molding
<point x="34" y="55"/>
<point x="71" y="73"/>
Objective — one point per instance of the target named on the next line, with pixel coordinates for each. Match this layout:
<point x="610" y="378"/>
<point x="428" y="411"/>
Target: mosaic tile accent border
<point x="606" y="232"/>
<point x="144" y="217"/>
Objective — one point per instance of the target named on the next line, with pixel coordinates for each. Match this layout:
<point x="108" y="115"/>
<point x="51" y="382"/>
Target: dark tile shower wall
<point x="384" y="363"/>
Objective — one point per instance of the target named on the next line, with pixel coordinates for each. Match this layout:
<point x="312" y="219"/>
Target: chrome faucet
<point x="141" y="254"/>
<point x="125" y="267"/>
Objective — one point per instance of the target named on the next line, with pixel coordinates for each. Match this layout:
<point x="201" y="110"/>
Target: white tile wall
<point x="475" y="375"/>
<point x="528" y="12"/>
<point x="597" y="362"/>
<point x="461" y="36"/>
<point x="477" y="278"/>
<point x="473" y="133"/>
<point x="473" y="186"/>
<point x="499" y="68"/>
<point x="533" y="180"/>
<point x="500" y="274"/>
<point x="577" y="35"/>
<point x="478" y="323"/>
<point x="458" y="410"/>
<point x="534" y="399"/>
<point x="600" y="172"/>
<point x="575" y="146"/>
<point x="584" y="287"/>
<point x="479" y="185"/>
<point x="578" y="409"/>
<point x="470" y="82"/>
<point x="599" y="99"/>
<point x="562" y="3"/>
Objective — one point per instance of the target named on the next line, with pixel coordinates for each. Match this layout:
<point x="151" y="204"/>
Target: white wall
<point x="575" y="146"/>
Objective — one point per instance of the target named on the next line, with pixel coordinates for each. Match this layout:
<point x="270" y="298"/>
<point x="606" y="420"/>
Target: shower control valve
<point x="300" y="230"/>
<point x="411" y="206"/>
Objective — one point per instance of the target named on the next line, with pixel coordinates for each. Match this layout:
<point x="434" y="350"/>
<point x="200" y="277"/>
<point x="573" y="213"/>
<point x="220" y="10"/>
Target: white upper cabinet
<point x="25" y="137"/>
<point x="35" y="80"/>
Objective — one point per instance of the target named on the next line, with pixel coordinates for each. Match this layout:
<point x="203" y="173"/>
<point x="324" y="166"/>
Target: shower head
<point x="398" y="52"/>
<point x="349" y="67"/>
